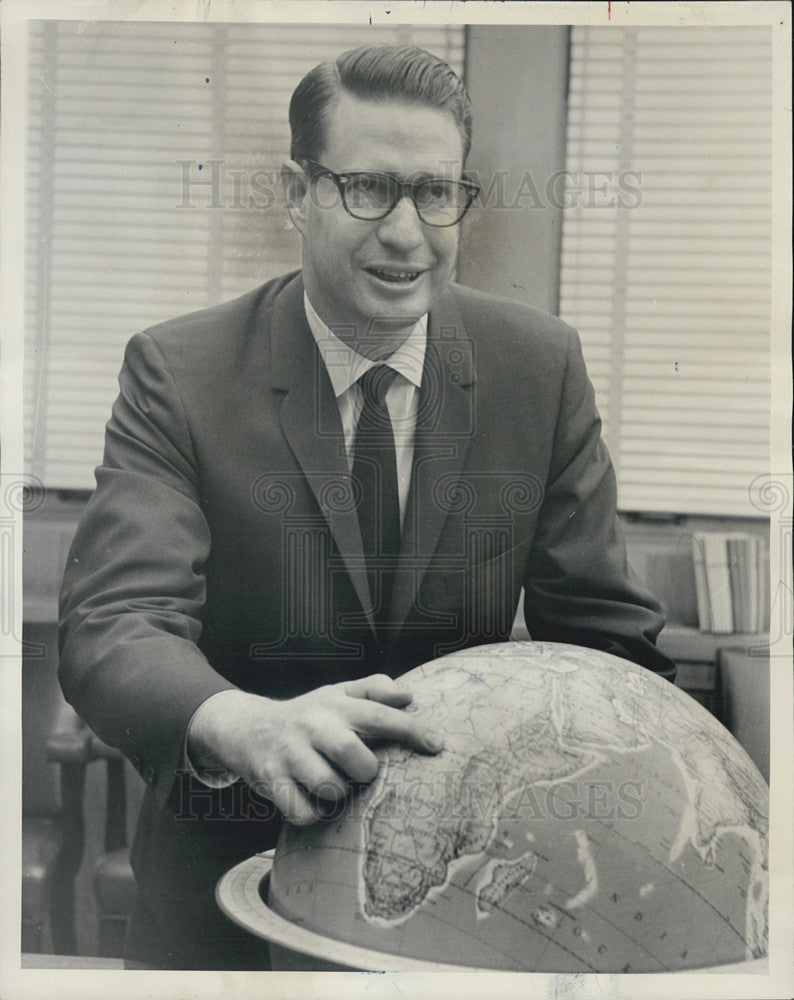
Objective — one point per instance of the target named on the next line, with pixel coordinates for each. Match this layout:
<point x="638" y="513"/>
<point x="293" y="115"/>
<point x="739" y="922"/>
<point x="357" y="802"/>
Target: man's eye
<point x="433" y="193"/>
<point x="369" y="188"/>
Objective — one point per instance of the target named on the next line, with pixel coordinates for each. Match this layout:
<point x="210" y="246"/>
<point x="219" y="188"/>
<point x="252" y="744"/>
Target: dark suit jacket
<point x="221" y="546"/>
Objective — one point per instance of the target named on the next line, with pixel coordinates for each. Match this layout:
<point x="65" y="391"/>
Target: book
<point x="718" y="581"/>
<point x="737" y="568"/>
<point x="746" y="587"/>
<point x="731" y="581"/>
<point x="701" y="584"/>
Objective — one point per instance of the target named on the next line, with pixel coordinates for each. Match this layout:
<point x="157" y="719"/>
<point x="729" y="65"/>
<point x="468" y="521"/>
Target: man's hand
<point x="302" y="753"/>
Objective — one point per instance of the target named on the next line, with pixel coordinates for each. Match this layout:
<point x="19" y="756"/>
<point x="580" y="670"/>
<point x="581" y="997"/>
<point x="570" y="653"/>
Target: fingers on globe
<point x="381" y="688"/>
<point x="304" y="784"/>
<point x="324" y="788"/>
<point x="347" y="752"/>
<point x="321" y="781"/>
<point x="292" y="801"/>
<point x="318" y="780"/>
<point x="382" y="722"/>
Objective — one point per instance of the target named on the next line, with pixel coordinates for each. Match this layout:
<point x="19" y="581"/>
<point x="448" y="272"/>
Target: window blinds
<point x="153" y="158"/>
<point x="671" y="290"/>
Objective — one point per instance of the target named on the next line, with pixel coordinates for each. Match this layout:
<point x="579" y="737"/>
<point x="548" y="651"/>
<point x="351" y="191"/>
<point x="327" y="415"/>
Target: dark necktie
<point x="375" y="472"/>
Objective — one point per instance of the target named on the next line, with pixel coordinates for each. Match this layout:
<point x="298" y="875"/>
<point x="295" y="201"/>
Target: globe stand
<point x="242" y="893"/>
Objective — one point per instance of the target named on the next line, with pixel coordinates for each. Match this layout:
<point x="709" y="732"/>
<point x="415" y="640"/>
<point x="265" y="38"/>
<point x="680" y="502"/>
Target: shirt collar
<point x="345" y="366"/>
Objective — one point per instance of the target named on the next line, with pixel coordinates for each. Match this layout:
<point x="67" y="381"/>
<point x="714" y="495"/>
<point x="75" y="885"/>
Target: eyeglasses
<point x="369" y="196"/>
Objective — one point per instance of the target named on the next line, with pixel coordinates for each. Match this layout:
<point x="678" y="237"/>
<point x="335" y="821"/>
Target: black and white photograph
<point x="396" y="499"/>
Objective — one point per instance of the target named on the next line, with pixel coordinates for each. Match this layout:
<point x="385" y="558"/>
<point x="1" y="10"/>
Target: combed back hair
<point x="374" y="73"/>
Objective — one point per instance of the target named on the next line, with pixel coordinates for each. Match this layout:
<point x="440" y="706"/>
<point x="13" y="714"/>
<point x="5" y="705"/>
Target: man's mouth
<point x="394" y="274"/>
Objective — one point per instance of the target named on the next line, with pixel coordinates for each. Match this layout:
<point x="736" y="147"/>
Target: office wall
<point x="517" y="80"/>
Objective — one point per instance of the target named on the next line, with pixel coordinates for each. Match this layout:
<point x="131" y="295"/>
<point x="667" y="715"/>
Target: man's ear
<point x="296" y="192"/>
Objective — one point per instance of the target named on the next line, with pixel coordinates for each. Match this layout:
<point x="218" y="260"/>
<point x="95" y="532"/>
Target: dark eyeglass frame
<point x="402" y="188"/>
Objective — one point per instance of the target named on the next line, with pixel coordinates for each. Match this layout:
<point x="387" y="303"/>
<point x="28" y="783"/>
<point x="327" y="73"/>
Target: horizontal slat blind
<point x="153" y="158"/>
<point x="671" y="290"/>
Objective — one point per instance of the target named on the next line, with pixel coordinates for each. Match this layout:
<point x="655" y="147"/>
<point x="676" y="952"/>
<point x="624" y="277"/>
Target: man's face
<point x="390" y="270"/>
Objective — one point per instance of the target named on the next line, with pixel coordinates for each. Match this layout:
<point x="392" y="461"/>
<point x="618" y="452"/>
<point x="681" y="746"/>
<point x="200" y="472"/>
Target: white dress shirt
<point x="345" y="366"/>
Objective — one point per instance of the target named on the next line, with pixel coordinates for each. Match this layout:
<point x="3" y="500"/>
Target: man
<point x="278" y="533"/>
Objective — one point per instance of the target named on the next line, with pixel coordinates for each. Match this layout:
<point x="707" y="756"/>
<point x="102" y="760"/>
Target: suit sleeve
<point x="134" y="588"/>
<point x="579" y="587"/>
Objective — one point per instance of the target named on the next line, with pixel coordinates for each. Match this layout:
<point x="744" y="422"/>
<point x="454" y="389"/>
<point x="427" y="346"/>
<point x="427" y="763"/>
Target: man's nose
<point x="402" y="228"/>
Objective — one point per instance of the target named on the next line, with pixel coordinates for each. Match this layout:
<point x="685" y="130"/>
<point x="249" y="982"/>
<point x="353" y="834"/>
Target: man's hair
<point x="374" y="73"/>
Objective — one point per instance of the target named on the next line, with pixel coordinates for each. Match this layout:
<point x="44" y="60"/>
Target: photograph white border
<point x="16" y="982"/>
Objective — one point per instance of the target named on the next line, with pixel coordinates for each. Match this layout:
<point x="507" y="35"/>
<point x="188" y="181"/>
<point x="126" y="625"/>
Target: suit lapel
<point x="445" y="425"/>
<point x="311" y="424"/>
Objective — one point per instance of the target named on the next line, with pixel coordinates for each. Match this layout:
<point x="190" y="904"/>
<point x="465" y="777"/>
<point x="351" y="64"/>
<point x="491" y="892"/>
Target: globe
<point x="584" y="816"/>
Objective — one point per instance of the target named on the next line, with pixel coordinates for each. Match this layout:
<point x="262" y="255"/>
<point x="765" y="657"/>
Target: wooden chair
<point x="51" y="808"/>
<point x="58" y="796"/>
<point x="113" y="882"/>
